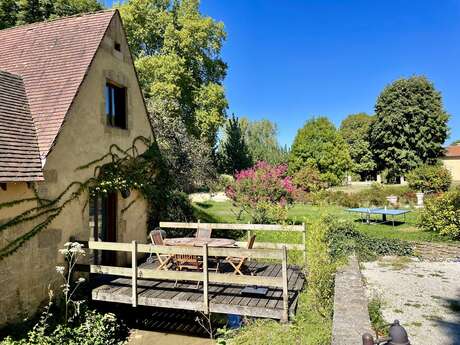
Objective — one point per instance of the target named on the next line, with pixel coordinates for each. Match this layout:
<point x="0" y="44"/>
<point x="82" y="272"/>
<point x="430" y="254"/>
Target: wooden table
<point x="195" y="242"/>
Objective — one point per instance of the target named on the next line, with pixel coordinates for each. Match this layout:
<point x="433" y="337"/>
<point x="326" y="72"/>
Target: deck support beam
<point x="284" y="274"/>
<point x="205" y="280"/>
<point x="134" y="273"/>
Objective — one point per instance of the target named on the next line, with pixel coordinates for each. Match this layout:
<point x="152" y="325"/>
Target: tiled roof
<point x="52" y="58"/>
<point x="452" y="151"/>
<point x="19" y="154"/>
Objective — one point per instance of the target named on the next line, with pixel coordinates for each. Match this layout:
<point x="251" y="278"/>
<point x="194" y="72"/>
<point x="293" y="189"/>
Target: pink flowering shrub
<point x="263" y="192"/>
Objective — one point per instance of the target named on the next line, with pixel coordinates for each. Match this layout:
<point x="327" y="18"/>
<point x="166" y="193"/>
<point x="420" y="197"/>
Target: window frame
<point x="113" y="105"/>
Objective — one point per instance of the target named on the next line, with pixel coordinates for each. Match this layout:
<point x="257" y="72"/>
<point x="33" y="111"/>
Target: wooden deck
<point x="223" y="298"/>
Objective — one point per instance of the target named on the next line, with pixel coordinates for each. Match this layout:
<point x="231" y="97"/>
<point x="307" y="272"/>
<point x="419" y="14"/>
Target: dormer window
<point x="115" y="105"/>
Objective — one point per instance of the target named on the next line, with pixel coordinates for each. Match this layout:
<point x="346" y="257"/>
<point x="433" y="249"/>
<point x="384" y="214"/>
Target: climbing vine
<point x="117" y="170"/>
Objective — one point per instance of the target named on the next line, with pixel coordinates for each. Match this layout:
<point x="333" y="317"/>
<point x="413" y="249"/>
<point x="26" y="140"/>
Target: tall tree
<point x="177" y="51"/>
<point x="355" y="130"/>
<point x="8" y="13"/>
<point x="234" y="153"/>
<point x="410" y="126"/>
<point x="262" y="139"/>
<point x="318" y="144"/>
<point x="18" y="12"/>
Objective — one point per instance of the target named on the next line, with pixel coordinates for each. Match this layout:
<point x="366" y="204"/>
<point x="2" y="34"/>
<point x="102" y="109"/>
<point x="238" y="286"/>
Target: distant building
<point x="451" y="161"/>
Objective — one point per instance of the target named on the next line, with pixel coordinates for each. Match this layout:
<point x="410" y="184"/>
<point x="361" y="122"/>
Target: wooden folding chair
<point x="163" y="259"/>
<point x="203" y="233"/>
<point x="238" y="262"/>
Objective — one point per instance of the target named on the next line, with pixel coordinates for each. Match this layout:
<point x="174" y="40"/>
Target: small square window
<point x="115" y="105"/>
<point x="117" y="46"/>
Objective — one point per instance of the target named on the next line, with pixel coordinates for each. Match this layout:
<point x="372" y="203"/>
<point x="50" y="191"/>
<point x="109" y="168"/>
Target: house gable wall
<point x="83" y="138"/>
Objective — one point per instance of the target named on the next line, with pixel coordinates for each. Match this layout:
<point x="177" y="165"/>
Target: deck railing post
<point x="285" y="317"/>
<point x="134" y="273"/>
<point x="205" y="279"/>
<point x="304" y="242"/>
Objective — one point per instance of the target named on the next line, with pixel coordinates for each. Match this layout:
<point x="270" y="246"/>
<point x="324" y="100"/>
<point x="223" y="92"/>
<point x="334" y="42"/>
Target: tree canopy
<point x="18" y="12"/>
<point x="234" y="153"/>
<point x="177" y="56"/>
<point x="262" y="140"/>
<point x="318" y="144"/>
<point x="355" y="130"/>
<point x="410" y="126"/>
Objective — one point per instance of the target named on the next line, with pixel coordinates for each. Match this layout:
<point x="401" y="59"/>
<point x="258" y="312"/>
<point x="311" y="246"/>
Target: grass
<point x="375" y="313"/>
<point x="224" y="212"/>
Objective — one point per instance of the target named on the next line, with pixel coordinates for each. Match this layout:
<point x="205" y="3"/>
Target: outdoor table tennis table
<point x="367" y="212"/>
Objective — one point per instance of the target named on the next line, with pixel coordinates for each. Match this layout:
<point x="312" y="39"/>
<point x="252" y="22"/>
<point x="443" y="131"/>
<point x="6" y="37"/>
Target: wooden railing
<point x="250" y="228"/>
<point x="205" y="276"/>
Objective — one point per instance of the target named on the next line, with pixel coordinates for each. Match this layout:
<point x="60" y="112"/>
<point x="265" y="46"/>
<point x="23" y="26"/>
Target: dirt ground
<point x="424" y="296"/>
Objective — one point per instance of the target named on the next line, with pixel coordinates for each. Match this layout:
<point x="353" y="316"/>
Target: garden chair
<point x="203" y="233"/>
<point x="238" y="262"/>
<point x="157" y="240"/>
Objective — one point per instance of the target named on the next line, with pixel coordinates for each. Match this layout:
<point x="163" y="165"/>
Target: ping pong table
<point x="367" y="212"/>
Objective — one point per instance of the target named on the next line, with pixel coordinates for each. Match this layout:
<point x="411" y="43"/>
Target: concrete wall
<point x="83" y="138"/>
<point x="453" y="164"/>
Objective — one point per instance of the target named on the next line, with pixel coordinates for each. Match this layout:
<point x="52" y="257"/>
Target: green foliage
<point x="308" y="179"/>
<point x="177" y="56"/>
<point x="343" y="238"/>
<point x="18" y="12"/>
<point x="93" y="329"/>
<point x="429" y="178"/>
<point x="261" y="138"/>
<point x="456" y="142"/>
<point x="375" y="314"/>
<point x="223" y="181"/>
<point x="320" y="145"/>
<point x="234" y="154"/>
<point x="442" y="214"/>
<point x="355" y="131"/>
<point x="410" y="126"/>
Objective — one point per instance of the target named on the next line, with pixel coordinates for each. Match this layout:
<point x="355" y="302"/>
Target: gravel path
<point x="424" y="296"/>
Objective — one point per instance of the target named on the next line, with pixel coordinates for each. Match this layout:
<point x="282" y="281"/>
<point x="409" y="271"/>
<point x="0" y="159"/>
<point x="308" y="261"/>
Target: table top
<point x="198" y="242"/>
<point x="378" y="210"/>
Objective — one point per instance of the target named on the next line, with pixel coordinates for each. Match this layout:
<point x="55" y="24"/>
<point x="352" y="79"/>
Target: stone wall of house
<point x="84" y="137"/>
<point x="453" y="164"/>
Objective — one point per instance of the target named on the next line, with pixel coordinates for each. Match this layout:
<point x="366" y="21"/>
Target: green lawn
<point x="223" y="212"/>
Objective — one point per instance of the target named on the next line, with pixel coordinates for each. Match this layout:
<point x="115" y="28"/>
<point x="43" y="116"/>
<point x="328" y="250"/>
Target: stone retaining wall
<point x="351" y="316"/>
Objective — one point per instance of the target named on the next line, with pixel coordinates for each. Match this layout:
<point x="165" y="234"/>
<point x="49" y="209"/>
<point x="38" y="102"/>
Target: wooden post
<point x="285" y="317"/>
<point x="304" y="242"/>
<point x="205" y="279"/>
<point x="134" y="273"/>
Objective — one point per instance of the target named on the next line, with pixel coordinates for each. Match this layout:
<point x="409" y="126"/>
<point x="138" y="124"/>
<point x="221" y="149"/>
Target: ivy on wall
<point x="117" y="170"/>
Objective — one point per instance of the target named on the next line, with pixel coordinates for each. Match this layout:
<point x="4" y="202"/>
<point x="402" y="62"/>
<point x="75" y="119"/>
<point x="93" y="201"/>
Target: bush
<point x="343" y="239"/>
<point x="222" y="182"/>
<point x="263" y="192"/>
<point x="429" y="178"/>
<point x="442" y="214"/>
<point x="308" y="179"/>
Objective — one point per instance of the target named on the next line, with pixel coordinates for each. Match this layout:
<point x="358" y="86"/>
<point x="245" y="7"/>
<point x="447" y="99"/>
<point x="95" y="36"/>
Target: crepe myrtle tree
<point x="263" y="192"/>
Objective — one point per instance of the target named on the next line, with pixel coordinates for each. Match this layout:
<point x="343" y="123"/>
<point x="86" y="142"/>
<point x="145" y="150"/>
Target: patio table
<point x="195" y="242"/>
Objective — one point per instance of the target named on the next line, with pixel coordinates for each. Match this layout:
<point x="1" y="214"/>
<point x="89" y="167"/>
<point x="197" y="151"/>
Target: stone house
<point x="68" y="90"/>
<point x="451" y="161"/>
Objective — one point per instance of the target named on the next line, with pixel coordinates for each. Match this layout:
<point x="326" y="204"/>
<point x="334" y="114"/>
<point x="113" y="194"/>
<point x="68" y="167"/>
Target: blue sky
<point x="294" y="59"/>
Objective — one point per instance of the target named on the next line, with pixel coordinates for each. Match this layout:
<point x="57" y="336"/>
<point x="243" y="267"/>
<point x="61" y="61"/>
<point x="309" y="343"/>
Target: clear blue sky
<point x="294" y="59"/>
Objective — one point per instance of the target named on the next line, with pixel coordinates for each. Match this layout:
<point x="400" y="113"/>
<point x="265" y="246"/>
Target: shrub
<point x="308" y="179"/>
<point x="221" y="183"/>
<point x="343" y="238"/>
<point x="429" y="178"/>
<point x="442" y="214"/>
<point x="263" y="192"/>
